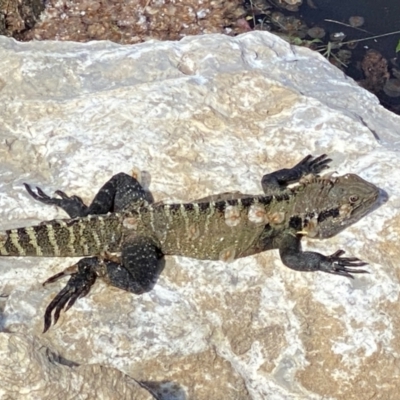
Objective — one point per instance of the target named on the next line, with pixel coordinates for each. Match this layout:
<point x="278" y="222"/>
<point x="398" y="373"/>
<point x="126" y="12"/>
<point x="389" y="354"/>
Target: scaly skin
<point x="221" y="227"/>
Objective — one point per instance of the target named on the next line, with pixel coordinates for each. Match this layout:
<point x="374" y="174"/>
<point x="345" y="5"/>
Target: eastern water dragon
<point x="124" y="237"/>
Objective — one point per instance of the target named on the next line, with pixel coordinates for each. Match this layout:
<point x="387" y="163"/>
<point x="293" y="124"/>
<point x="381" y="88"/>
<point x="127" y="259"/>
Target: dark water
<point x="381" y="16"/>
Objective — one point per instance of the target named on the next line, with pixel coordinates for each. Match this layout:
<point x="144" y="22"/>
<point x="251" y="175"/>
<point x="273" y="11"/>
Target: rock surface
<point x="30" y="371"/>
<point x="204" y="115"/>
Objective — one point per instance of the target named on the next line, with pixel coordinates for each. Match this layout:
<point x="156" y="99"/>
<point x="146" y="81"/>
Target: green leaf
<point x="398" y="46"/>
<point x="297" y="41"/>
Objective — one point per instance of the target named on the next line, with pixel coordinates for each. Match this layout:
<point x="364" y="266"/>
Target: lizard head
<point x="333" y="204"/>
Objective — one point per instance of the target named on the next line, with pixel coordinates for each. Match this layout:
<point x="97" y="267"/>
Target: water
<point x="381" y="17"/>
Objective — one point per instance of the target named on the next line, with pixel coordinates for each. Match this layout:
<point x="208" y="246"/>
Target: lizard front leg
<point x="293" y="257"/>
<point x="120" y="192"/>
<point x="137" y="271"/>
<point x="279" y="180"/>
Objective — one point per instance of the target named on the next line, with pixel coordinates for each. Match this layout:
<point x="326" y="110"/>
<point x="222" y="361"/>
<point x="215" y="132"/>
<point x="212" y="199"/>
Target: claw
<point x="41" y="196"/>
<point x="319" y="163"/>
<point x="73" y="205"/>
<point x="337" y="253"/>
<point x="345" y="266"/>
<point x="62" y="194"/>
<point x="73" y="198"/>
<point x="41" y="193"/>
<point x="30" y="191"/>
<point x="82" y="278"/>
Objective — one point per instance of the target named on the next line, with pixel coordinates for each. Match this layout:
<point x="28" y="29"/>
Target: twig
<point x="371" y="37"/>
<point x="349" y="26"/>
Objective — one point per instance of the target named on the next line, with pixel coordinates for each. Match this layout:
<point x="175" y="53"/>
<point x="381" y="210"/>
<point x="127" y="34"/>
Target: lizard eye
<point x="353" y="199"/>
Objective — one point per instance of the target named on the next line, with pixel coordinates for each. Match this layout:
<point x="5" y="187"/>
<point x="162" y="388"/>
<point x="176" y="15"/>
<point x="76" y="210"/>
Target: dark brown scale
<point x="203" y="207"/>
<point x="189" y="207"/>
<point x="25" y="241"/>
<point x="295" y="223"/>
<point x="332" y="213"/>
<point x="220" y="206"/>
<point x="174" y="208"/>
<point x="266" y="200"/>
<point x="9" y="247"/>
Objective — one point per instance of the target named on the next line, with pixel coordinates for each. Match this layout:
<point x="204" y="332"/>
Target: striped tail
<point x="85" y="236"/>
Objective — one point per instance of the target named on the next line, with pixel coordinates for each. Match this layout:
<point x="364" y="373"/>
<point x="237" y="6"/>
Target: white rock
<point x="204" y="115"/>
<point x="30" y="371"/>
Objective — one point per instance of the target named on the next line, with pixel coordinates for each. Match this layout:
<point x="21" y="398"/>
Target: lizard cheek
<point x="312" y="227"/>
<point x="345" y="210"/>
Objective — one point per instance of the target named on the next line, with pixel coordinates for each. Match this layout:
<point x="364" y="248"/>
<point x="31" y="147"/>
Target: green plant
<point x="398" y="46"/>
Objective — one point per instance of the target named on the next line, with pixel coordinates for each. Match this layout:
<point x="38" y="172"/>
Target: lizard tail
<point x="77" y="237"/>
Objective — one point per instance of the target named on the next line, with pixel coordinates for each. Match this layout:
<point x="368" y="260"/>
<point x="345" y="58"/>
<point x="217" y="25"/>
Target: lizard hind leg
<point x="142" y="263"/>
<point x="137" y="272"/>
<point x="83" y="276"/>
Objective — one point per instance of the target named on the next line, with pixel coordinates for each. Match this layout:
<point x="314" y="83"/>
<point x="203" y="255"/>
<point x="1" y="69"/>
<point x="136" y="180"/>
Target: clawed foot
<point x="82" y="278"/>
<point x="311" y="165"/>
<point x="73" y="205"/>
<point x="338" y="265"/>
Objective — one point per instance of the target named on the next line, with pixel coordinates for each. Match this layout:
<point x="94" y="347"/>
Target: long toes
<point x="54" y="278"/>
<point x="320" y="158"/>
<point x="337" y="253"/>
<point x="306" y="160"/>
<point x="62" y="194"/>
<point x="30" y="191"/>
<point x="47" y="315"/>
<point x="63" y="301"/>
<point x="73" y="269"/>
<point x="320" y="163"/>
<point x="47" y="319"/>
<point x="323" y="164"/>
<point x="357" y="264"/>
<point x="348" y="259"/>
<point x="357" y="271"/>
<point x="57" y="304"/>
<point x="343" y="273"/>
<point x="351" y="262"/>
<point x="317" y="168"/>
<point x="75" y="296"/>
<point x="42" y="194"/>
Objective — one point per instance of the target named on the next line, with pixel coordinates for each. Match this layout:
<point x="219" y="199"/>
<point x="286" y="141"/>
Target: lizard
<point x="124" y="237"/>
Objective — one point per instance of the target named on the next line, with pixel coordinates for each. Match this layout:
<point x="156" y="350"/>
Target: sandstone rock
<point x="28" y="369"/>
<point x="204" y="115"/>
